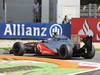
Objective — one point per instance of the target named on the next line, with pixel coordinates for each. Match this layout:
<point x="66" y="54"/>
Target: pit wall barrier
<point x="33" y="30"/>
<point x="88" y="26"/>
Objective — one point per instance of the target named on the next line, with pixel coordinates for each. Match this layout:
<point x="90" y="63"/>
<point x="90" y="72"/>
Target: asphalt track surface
<point x="95" y="59"/>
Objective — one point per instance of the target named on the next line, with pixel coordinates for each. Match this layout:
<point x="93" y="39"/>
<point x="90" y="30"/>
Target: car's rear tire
<point x="90" y="53"/>
<point x="18" y="49"/>
<point x="65" y="51"/>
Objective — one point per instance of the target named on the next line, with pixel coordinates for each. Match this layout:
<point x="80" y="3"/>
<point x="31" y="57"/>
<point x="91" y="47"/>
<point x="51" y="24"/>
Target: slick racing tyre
<point x="18" y="49"/>
<point x="89" y="54"/>
<point x="65" y="51"/>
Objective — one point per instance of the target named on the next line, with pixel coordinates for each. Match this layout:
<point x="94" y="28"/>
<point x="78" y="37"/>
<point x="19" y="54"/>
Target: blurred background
<point x="47" y="11"/>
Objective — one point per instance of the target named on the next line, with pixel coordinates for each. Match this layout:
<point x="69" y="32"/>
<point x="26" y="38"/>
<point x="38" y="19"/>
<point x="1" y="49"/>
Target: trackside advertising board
<point x="89" y="26"/>
<point x="33" y="30"/>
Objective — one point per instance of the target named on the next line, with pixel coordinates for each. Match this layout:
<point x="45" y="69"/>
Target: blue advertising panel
<point x="33" y="30"/>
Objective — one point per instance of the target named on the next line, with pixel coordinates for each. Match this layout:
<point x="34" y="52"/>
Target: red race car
<point x="58" y="45"/>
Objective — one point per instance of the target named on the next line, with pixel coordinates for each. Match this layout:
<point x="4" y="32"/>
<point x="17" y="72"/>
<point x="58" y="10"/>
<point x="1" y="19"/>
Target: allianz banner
<point x="88" y="26"/>
<point x="33" y="30"/>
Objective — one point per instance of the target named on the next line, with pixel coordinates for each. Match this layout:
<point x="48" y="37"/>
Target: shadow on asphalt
<point x="6" y="52"/>
<point x="57" y="57"/>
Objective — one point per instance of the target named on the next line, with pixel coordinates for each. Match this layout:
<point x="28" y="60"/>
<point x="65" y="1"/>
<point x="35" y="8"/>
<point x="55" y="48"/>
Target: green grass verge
<point x="98" y="49"/>
<point x="6" y="48"/>
<point x="45" y="69"/>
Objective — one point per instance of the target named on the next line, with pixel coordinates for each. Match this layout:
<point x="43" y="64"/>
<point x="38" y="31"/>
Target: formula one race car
<point x="58" y="45"/>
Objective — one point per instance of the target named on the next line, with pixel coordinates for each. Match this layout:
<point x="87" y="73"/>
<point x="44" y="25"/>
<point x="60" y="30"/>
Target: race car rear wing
<point x="77" y="39"/>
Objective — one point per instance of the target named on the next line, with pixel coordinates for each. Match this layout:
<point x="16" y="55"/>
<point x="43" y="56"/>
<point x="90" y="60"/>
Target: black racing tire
<point x="18" y="49"/>
<point x="65" y="51"/>
<point x="90" y="54"/>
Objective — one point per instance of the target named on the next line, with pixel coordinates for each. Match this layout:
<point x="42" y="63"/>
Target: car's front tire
<point x="18" y="49"/>
<point x="65" y="51"/>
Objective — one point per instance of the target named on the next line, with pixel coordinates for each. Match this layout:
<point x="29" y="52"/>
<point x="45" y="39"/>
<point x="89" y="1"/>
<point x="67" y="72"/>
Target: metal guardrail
<point x="91" y="10"/>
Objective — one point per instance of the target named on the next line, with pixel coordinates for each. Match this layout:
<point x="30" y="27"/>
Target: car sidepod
<point x="45" y="50"/>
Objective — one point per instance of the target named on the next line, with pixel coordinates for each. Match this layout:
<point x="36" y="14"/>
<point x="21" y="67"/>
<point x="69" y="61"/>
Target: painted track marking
<point x="61" y="64"/>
